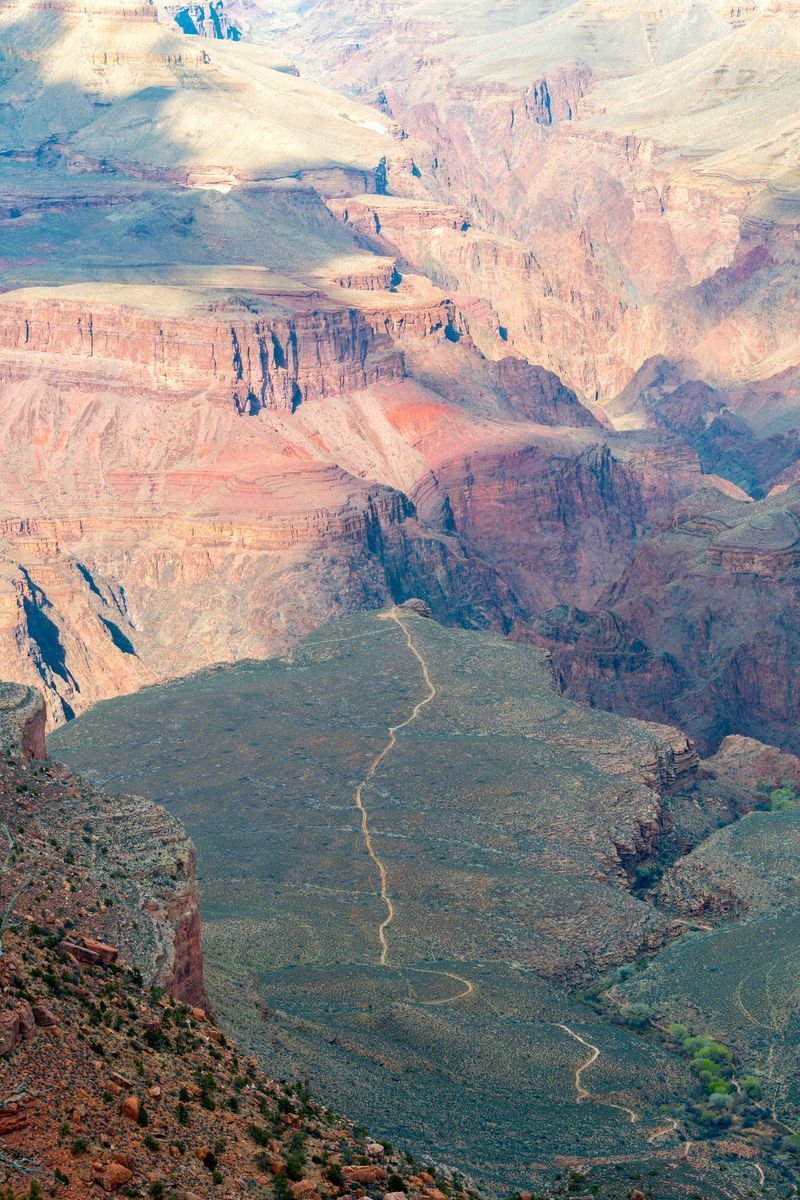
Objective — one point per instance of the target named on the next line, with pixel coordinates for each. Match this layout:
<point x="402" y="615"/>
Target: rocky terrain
<point x="113" y="1078"/>
<point x="308" y="309"/>
<point x="625" y="199"/>
<point x="415" y="857"/>
<point x="700" y="627"/>
<point x="116" y="1079"/>
<point x="123" y="871"/>
<point x="239" y="396"/>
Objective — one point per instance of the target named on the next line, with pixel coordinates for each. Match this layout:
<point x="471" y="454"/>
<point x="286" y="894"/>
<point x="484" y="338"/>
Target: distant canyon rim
<point x="400" y="485"/>
<point x="308" y="310"/>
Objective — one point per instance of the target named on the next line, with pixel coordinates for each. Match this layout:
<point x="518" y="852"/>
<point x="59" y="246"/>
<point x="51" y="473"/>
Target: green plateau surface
<point x="495" y="811"/>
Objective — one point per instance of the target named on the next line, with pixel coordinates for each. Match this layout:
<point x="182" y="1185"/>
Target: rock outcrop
<point x="22" y="720"/>
<point x="92" y="1097"/>
<point x="123" y="867"/>
<point x="270" y="359"/>
<point x="702" y="624"/>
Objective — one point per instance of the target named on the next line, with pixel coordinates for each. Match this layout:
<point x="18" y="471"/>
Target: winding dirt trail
<point x="468" y="988"/>
<point x="583" y="1093"/>
<point x="370" y="775"/>
<point x="672" y="1126"/>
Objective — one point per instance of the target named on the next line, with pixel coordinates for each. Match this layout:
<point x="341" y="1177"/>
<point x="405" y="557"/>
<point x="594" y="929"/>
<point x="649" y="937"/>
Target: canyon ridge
<point x="400" y="477"/>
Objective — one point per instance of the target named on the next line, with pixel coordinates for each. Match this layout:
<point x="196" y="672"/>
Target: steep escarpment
<point x="270" y="359"/>
<point x="604" y="226"/>
<point x="110" y="605"/>
<point x="22" y="720"/>
<point x="111" y="872"/>
<point x="702" y="623"/>
<point x="309" y="453"/>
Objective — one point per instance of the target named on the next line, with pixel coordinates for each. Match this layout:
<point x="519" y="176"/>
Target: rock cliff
<point x="121" y="869"/>
<point x="702" y="623"/>
<point x="603" y="227"/>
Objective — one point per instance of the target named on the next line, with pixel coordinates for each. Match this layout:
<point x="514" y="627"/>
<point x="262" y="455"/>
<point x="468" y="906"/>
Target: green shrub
<point x="784" y="798"/>
<point x="281" y="1188"/>
<point x="637" y="1016"/>
<point x="259" y="1134"/>
<point x="295" y="1161"/>
<point x="335" y="1175"/>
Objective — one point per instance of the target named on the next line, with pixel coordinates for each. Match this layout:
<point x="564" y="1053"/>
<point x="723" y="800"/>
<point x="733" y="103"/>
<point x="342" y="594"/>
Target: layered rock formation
<point x="226" y="417"/>
<point x="121" y="869"/>
<point x="702" y="623"/>
<point x="253" y="379"/>
<point x="600" y="199"/>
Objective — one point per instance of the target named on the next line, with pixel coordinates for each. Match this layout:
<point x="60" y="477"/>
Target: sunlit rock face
<point x="628" y="173"/>
<point x="226" y="414"/>
<point x="269" y="354"/>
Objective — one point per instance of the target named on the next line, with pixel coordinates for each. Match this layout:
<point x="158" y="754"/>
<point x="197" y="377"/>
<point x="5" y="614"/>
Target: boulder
<point x="13" y="1117"/>
<point x="115" y="1176"/>
<point x="27" y="1021"/>
<point x="417" y="606"/>
<point x="303" y="1188"/>
<point x="78" y="954"/>
<point x="366" y="1174"/>
<point x="131" y="1108"/>
<point x="43" y="1016"/>
<point x="9" y="1032"/>
<point x="121" y="1080"/>
<point x="106" y="954"/>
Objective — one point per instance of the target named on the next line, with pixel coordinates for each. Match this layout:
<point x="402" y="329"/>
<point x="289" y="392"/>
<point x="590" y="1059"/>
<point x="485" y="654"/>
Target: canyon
<point x="399" y="468"/>
<point x="269" y="355"/>
<point x="460" y="900"/>
<point x="414" y="852"/>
